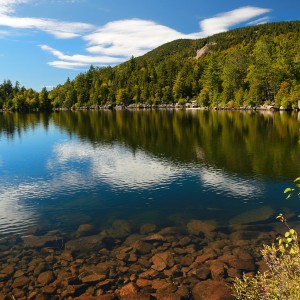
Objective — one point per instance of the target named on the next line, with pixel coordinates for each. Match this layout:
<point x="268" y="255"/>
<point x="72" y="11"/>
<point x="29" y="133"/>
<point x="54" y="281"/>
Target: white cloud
<point x="224" y="21"/>
<point x="130" y="37"/>
<point x="117" y="41"/>
<point x="59" y="29"/>
<point x="260" y="21"/>
<point x="79" y="60"/>
<point x="8" y="6"/>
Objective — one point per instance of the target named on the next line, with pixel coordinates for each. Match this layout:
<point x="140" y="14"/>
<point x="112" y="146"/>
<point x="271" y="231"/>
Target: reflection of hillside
<point x="264" y="144"/>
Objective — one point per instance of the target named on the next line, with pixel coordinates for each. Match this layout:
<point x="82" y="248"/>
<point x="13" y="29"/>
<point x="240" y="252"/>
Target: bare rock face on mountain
<point x="203" y="50"/>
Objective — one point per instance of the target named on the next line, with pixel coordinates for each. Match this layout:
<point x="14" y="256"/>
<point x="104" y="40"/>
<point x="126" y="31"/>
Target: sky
<point x="43" y="42"/>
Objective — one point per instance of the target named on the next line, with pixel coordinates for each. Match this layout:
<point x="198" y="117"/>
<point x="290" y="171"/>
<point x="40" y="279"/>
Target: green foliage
<point x="282" y="279"/>
<point x="280" y="282"/>
<point x="245" y="66"/>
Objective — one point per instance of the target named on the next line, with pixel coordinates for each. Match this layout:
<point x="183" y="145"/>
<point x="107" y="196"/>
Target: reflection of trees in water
<point x="264" y="144"/>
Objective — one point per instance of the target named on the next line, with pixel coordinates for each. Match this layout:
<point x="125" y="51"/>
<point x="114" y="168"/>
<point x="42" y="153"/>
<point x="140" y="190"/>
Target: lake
<point x="64" y="169"/>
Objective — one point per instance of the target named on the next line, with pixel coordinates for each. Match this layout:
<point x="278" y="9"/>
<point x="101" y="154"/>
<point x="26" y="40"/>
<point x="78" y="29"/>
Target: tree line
<point x="248" y="66"/>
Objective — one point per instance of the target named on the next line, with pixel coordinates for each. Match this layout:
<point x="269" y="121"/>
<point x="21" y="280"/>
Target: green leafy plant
<point x="282" y="280"/>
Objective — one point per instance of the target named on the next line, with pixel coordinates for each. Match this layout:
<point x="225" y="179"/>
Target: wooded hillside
<point x="247" y="66"/>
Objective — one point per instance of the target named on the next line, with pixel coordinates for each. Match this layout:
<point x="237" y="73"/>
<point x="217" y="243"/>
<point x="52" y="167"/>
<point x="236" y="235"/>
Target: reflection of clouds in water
<point x="115" y="165"/>
<point x="221" y="182"/>
<point x="16" y="213"/>
<point x="13" y="216"/>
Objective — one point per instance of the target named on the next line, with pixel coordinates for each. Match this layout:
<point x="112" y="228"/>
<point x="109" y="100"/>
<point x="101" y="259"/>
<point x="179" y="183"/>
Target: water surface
<point x="165" y="167"/>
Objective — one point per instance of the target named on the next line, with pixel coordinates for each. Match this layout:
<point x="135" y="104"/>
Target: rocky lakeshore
<point x="197" y="262"/>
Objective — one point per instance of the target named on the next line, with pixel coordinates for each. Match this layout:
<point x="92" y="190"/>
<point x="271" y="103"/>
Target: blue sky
<point x="42" y="42"/>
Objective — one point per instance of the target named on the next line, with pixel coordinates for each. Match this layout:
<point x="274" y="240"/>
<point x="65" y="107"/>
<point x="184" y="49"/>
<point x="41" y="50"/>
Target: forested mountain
<point x="246" y="66"/>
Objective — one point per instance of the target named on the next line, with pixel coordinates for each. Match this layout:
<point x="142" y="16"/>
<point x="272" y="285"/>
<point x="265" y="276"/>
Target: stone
<point x="184" y="241"/>
<point x="119" y="229"/>
<point x="85" y="244"/>
<point x="242" y="264"/>
<point x="154" y="238"/>
<point x="159" y="266"/>
<point x="142" y="247"/>
<point x="255" y="215"/>
<point x="212" y="290"/>
<point x="143" y="282"/>
<point x="204" y="257"/>
<point x="67" y="256"/>
<point x="18" y="273"/>
<point x="53" y="241"/>
<point x="216" y="269"/>
<point x="148" y="228"/>
<point x="202" y="273"/>
<point x="45" y="278"/>
<point x="185" y="260"/>
<point x="49" y="290"/>
<point x="84" y="230"/>
<point x="129" y="290"/>
<point x="20" y="282"/>
<point x="165" y="257"/>
<point x="8" y="270"/>
<point x="196" y="227"/>
<point x="171" y="231"/>
<point x="93" y="278"/>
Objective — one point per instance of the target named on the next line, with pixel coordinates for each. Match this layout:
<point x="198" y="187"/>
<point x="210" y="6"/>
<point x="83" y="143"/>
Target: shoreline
<point x="164" y="107"/>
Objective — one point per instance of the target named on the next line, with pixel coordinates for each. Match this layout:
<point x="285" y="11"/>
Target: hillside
<point x="249" y="66"/>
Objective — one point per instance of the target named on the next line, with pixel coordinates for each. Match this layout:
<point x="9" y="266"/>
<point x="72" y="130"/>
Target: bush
<point x="282" y="280"/>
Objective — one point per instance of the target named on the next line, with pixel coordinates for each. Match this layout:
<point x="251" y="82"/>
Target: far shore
<point x="168" y="107"/>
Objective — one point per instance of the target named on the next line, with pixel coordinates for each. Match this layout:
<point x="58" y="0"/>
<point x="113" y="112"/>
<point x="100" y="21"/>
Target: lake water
<point x="164" y="167"/>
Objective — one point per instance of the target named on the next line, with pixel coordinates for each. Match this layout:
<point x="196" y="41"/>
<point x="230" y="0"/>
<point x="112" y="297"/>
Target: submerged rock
<point x="85" y="244"/>
<point x="212" y="290"/>
<point x="52" y="241"/>
<point x="85" y="229"/>
<point x="255" y="215"/>
<point x="148" y="228"/>
<point x="196" y="227"/>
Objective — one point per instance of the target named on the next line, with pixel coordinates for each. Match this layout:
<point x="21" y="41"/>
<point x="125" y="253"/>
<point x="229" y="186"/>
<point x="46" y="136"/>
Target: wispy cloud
<point x="260" y="21"/>
<point x="117" y="41"/>
<point x="8" y="6"/>
<point x="59" y="29"/>
<point x="130" y="37"/>
<point x="224" y="21"/>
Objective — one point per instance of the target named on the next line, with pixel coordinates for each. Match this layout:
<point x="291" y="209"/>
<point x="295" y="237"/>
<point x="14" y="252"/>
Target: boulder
<point x="85" y="244"/>
<point x="212" y="290"/>
<point x="129" y="290"/>
<point x="85" y="229"/>
<point x="165" y="257"/>
<point x="45" y="278"/>
<point x="53" y="241"/>
<point x="196" y="227"/>
<point x="147" y="228"/>
<point x="142" y="247"/>
<point x="255" y="215"/>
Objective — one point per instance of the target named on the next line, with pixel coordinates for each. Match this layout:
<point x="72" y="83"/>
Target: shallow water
<point x="164" y="167"/>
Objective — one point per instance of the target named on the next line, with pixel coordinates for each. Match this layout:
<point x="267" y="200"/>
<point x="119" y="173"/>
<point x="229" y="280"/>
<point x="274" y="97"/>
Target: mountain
<point x="248" y="66"/>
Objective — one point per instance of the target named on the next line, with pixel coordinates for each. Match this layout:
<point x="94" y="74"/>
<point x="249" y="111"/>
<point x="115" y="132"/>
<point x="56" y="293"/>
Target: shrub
<point x="282" y="280"/>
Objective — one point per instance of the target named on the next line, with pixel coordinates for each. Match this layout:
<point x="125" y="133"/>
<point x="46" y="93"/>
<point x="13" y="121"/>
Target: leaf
<point x="287" y="190"/>
<point x="292" y="231"/>
<point x="297" y="179"/>
<point x="287" y="234"/>
<point x="289" y="240"/>
<point x="292" y="251"/>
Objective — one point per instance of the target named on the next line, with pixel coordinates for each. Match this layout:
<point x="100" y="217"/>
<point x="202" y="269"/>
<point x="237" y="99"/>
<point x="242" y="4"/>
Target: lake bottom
<point x="129" y="262"/>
